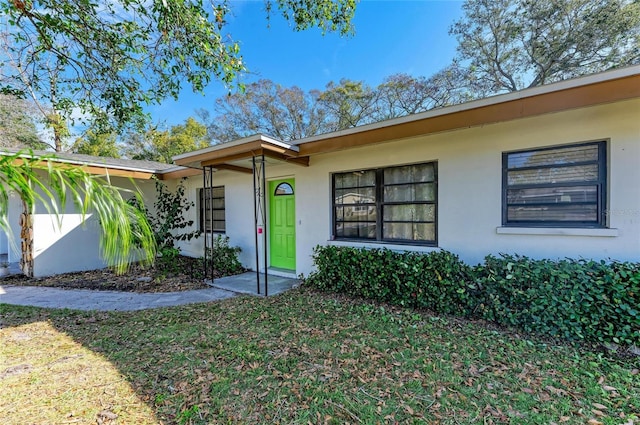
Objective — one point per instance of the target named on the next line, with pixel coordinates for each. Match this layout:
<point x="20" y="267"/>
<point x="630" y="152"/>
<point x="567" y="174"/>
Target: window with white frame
<point x="212" y="210"/>
<point x="394" y="204"/>
<point x="560" y="186"/>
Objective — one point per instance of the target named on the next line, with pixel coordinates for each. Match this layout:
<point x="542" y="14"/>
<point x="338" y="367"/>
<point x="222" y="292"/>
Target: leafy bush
<point x="224" y="257"/>
<point x="570" y="299"/>
<point x="437" y="280"/>
<point x="168" y="223"/>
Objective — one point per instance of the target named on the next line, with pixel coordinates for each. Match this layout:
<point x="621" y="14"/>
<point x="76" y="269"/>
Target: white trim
<point x="254" y="138"/>
<point x="380" y="245"/>
<point x="557" y="231"/>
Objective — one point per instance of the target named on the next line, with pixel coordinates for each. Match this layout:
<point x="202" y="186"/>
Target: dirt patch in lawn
<point x="187" y="275"/>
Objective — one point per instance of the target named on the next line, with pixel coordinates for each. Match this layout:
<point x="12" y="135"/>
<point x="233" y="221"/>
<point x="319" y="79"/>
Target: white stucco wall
<point x="72" y="245"/>
<point x="13" y="237"/>
<point x="469" y="188"/>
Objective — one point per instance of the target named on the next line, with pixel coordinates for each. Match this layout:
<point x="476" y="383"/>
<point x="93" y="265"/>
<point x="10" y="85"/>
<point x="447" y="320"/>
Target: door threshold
<point x="277" y="271"/>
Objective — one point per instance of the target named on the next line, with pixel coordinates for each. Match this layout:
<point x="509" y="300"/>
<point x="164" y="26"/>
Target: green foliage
<point x="437" y="280"/>
<point x="97" y="144"/>
<point x="225" y="257"/>
<point x="163" y="145"/>
<point x="125" y="231"/>
<point x="328" y="15"/>
<point x="109" y="59"/>
<point x="168" y="220"/>
<point x="569" y="299"/>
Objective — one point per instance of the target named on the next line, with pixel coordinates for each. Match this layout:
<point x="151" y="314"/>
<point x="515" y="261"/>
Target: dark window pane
<point x="409" y="231"/>
<point x="355" y="196"/>
<point x="355" y="179"/>
<point x="557" y="213"/>
<point x="559" y="156"/>
<point x="212" y="205"/>
<point x="581" y="173"/>
<point x="356" y="213"/>
<point x="410" y="193"/>
<point x="555" y="194"/>
<point x="405" y="191"/>
<point x="409" y="212"/>
<point x="356" y="230"/>
<point x="409" y="174"/>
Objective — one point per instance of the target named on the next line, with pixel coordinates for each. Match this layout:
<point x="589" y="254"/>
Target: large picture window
<point x="212" y="219"/>
<point x="395" y="204"/>
<point x="555" y="187"/>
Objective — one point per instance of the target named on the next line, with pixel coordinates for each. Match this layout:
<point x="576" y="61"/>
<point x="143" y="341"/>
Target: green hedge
<point x="437" y="281"/>
<point x="570" y="299"/>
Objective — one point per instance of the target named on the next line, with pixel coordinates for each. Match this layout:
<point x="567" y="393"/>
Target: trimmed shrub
<point x="570" y="299"/>
<point x="437" y="280"/>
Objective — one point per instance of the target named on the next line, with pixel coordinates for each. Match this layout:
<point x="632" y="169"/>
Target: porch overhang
<point x="233" y="156"/>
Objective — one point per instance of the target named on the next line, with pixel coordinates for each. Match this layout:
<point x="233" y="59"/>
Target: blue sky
<point x="391" y="36"/>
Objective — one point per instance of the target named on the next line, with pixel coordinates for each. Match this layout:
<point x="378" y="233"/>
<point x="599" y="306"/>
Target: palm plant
<point x="125" y="233"/>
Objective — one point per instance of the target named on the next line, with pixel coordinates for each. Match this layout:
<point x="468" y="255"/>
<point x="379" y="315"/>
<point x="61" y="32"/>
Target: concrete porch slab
<point x="246" y="283"/>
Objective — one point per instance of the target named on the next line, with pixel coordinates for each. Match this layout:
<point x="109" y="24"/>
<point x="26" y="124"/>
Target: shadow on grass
<point x="305" y="357"/>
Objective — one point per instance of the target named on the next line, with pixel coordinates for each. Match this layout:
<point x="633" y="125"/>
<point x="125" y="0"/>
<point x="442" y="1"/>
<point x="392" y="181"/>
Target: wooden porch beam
<point x="232" y="167"/>
<point x="178" y="174"/>
<point x="301" y="160"/>
<point x="229" y="158"/>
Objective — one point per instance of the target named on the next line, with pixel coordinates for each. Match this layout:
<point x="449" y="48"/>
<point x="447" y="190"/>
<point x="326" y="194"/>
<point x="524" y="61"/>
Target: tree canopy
<point x="103" y="61"/>
<point x="289" y="113"/>
<point x="17" y="125"/>
<point x="162" y="145"/>
<point x="509" y="45"/>
<point x="265" y="107"/>
<point x="97" y="144"/>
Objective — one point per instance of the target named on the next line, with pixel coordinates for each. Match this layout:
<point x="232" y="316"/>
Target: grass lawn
<point x="301" y="357"/>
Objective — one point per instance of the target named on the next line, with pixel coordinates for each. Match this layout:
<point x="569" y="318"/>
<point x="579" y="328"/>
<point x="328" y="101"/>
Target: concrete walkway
<point x="84" y="299"/>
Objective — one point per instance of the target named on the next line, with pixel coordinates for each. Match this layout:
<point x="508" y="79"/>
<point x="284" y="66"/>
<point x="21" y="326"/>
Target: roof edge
<point x="558" y="86"/>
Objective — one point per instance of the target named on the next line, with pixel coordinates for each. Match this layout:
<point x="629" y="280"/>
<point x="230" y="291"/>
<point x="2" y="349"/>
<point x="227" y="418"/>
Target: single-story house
<point x="551" y="171"/>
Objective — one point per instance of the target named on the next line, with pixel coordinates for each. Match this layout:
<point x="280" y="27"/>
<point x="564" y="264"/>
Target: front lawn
<point x="302" y="357"/>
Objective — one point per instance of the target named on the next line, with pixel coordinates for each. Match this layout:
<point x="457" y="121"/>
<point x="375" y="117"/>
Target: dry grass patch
<point x="48" y="378"/>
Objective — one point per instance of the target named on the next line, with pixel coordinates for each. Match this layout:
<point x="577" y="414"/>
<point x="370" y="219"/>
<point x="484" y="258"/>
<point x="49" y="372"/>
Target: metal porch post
<point x="256" y="197"/>
<point x="207" y="199"/>
<point x="260" y="216"/>
<point x="264" y="221"/>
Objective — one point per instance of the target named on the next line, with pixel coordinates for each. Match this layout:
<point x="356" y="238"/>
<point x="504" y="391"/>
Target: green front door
<point x="282" y="223"/>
